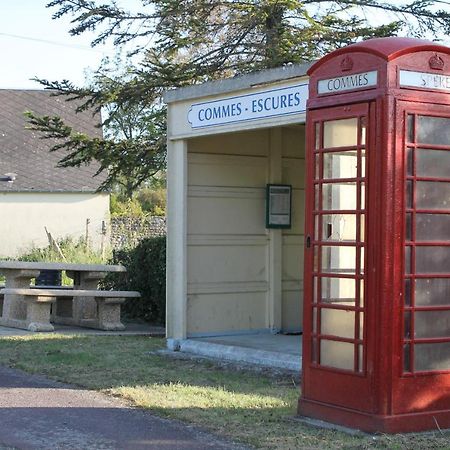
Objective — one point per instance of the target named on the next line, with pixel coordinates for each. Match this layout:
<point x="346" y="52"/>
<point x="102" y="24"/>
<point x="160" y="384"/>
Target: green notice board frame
<point x="278" y="205"/>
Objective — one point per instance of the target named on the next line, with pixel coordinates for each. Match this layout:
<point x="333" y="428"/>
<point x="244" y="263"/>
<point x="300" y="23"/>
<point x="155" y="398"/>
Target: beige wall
<point x="232" y="259"/>
<point x="23" y="217"/>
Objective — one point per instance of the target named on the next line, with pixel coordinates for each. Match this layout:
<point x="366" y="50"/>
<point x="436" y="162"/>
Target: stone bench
<point x="38" y="300"/>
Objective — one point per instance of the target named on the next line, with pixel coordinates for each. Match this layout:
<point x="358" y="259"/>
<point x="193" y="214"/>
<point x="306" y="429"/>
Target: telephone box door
<point x="425" y="340"/>
<point x="337" y="310"/>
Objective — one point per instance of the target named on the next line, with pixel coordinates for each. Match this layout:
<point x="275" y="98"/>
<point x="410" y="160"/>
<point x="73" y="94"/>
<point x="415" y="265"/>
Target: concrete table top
<point x="24" y="265"/>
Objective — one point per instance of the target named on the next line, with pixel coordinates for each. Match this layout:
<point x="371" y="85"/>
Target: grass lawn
<point x="253" y="407"/>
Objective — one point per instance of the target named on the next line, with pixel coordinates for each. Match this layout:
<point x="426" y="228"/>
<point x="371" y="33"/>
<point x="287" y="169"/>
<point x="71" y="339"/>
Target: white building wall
<point x="23" y="217"/>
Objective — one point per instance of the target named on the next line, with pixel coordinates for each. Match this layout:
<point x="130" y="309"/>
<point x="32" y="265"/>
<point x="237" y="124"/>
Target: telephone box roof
<point x="388" y="48"/>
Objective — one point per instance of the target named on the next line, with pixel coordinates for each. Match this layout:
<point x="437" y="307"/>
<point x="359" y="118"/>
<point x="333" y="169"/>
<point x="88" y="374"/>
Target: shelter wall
<point x="232" y="259"/>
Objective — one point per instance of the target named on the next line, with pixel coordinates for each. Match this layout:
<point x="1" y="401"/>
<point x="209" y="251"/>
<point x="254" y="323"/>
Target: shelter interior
<point x="242" y="277"/>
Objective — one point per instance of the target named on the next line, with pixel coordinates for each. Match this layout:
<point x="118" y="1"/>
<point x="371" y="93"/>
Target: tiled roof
<point x="24" y="153"/>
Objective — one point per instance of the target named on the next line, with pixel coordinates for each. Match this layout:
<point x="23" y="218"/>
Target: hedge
<point x="146" y="273"/>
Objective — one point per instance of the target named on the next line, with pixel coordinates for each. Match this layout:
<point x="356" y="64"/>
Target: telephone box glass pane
<point x="434" y="356"/>
<point x="409" y="194"/>
<point x="363" y="130"/>
<point x="362" y="261"/>
<point x="340" y="165"/>
<point x="361" y="358"/>
<point x="317" y="166"/>
<point x="363" y="163"/>
<point x="407" y="259"/>
<point x="316" y="196"/>
<point x="336" y="322"/>
<point x="363" y="196"/>
<point x="317" y="135"/>
<point x="407" y="292"/>
<point x="433" y="130"/>
<point x="410" y="127"/>
<point x="338" y="290"/>
<point x="407" y="321"/>
<point x="432" y="292"/>
<point x="432" y="195"/>
<point x="338" y="259"/>
<point x="316" y="227"/>
<point x="433" y="227"/>
<point x="429" y="324"/>
<point x="316" y="258"/>
<point x="361" y="326"/>
<point x="362" y="228"/>
<point x="408" y="230"/>
<point x="410" y="161"/>
<point x="339" y="227"/>
<point x="361" y="293"/>
<point x="340" y="133"/>
<point x="433" y="260"/>
<point x="339" y="196"/>
<point x="433" y="163"/>
<point x="337" y="354"/>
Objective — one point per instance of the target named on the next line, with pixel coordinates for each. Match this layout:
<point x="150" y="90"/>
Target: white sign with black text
<point x="408" y="78"/>
<point x="336" y="85"/>
<point x="260" y="105"/>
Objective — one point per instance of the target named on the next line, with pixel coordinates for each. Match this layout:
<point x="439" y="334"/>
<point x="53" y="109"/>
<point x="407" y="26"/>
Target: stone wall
<point x="129" y="231"/>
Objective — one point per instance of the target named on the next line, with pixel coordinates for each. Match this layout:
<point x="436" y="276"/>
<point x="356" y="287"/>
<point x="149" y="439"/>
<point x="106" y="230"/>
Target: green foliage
<point x="75" y="251"/>
<point x="153" y="201"/>
<point x="146" y="273"/>
<point x="129" y="207"/>
<point x="182" y="42"/>
<point x="123" y="160"/>
<point x="144" y="202"/>
<point x="148" y="200"/>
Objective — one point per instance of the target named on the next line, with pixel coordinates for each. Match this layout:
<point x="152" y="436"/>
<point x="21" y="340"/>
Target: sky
<point x="34" y="45"/>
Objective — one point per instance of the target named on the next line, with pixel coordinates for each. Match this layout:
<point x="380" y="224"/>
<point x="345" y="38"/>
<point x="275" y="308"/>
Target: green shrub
<point x="146" y="273"/>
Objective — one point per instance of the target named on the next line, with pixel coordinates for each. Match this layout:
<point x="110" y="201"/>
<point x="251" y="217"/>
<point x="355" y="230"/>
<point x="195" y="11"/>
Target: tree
<point x="134" y="130"/>
<point x="183" y="42"/>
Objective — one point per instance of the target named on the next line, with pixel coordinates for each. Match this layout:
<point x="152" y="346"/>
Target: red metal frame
<point x="383" y="396"/>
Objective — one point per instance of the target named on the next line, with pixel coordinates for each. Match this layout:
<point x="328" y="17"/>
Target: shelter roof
<point x="237" y="83"/>
<point x="24" y="153"/>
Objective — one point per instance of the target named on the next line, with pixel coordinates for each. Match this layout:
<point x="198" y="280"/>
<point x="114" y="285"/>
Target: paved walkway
<point x="36" y="413"/>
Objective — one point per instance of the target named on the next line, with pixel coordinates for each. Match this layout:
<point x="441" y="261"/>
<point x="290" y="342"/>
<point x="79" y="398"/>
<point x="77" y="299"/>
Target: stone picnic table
<point x="35" y="307"/>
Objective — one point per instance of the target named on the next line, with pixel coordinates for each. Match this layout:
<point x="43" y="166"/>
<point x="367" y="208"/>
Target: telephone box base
<point x="372" y="423"/>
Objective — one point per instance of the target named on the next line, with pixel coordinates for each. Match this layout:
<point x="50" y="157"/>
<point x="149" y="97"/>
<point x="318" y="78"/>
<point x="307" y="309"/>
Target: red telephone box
<point x="376" y="344"/>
